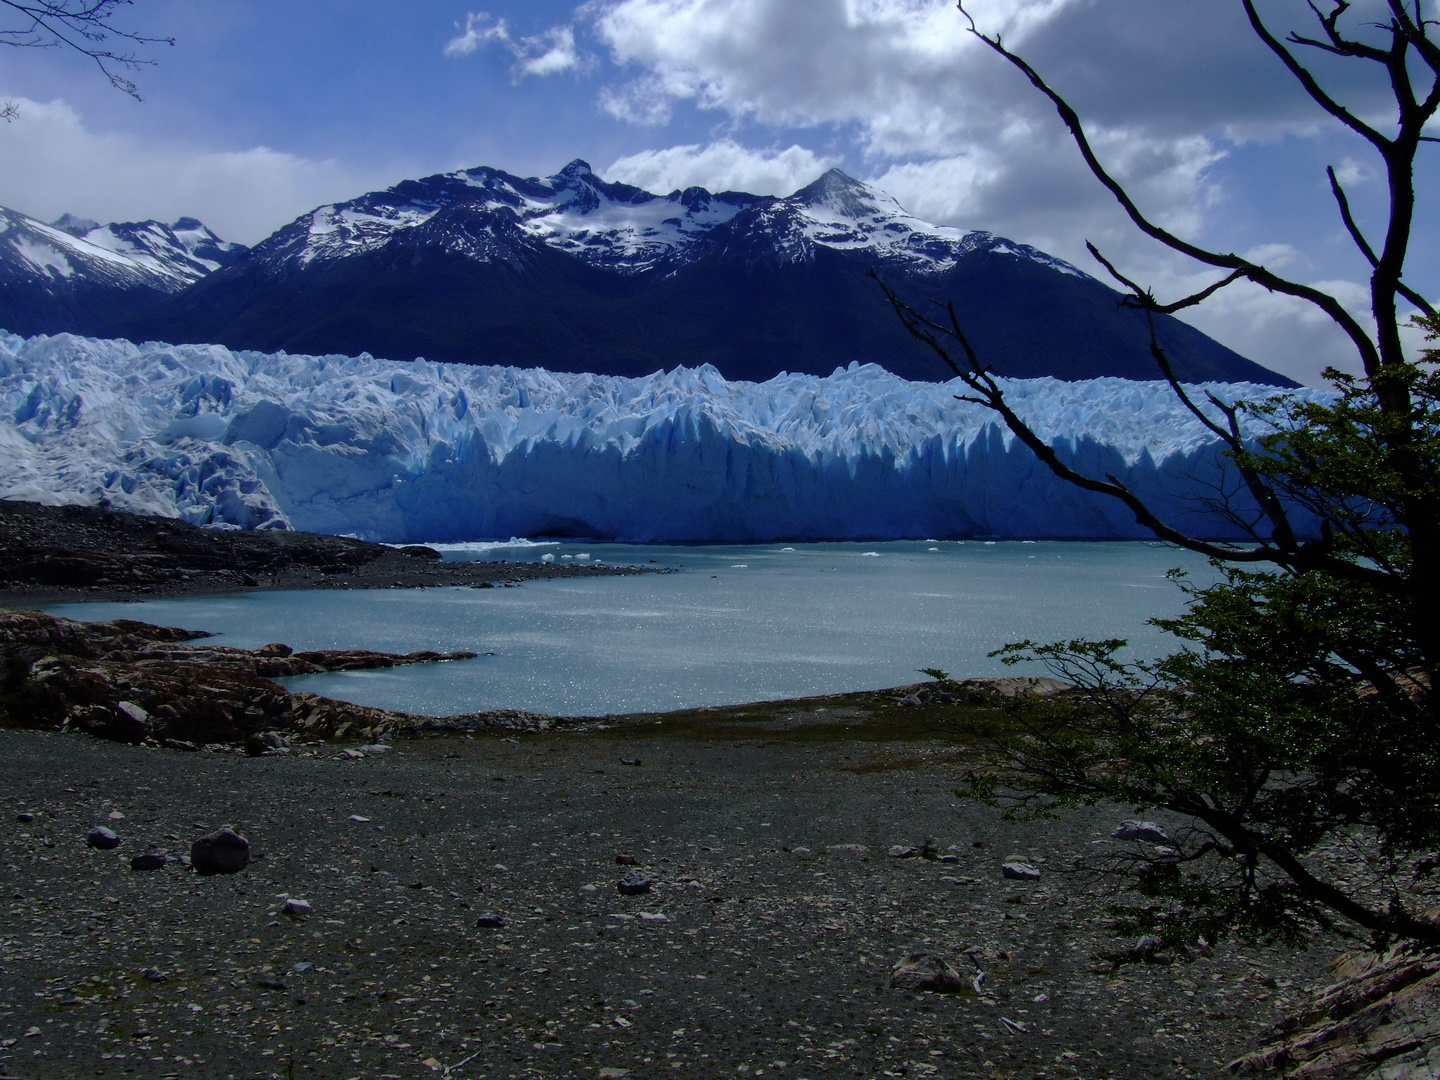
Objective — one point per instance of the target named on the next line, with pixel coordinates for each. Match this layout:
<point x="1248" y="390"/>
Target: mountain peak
<point x="75" y="226"/>
<point x="841" y="193"/>
<point x="577" y="168"/>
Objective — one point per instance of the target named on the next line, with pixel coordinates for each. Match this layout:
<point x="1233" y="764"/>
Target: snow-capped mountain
<point x="85" y="274"/>
<point x="485" y="214"/>
<point x="407" y="451"/>
<point x="574" y="273"/>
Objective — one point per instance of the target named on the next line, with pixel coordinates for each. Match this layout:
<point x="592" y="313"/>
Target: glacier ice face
<point x="407" y="452"/>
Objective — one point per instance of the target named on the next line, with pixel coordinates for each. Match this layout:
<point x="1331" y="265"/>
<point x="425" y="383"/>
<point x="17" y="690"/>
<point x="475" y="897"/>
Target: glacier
<point x="408" y="452"/>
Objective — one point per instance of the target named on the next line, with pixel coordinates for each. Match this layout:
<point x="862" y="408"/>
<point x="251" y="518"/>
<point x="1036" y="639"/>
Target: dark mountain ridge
<point x="573" y="273"/>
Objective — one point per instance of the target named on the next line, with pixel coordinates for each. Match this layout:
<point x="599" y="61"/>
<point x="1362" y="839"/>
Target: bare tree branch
<point x="1364" y="245"/>
<point x="1266" y="279"/>
<point x="83" y="26"/>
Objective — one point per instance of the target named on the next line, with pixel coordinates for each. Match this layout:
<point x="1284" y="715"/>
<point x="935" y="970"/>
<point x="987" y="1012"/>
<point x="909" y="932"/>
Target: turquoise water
<point x="735" y="624"/>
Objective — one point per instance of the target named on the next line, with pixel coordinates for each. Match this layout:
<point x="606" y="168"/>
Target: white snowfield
<point x="408" y="452"/>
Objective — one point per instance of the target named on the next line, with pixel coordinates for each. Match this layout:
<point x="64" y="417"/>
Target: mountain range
<point x="80" y="276"/>
<point x="573" y="273"/>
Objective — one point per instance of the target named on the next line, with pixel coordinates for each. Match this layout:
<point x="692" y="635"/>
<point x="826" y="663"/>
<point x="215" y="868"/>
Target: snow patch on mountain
<point x="622" y="228"/>
<point x="408" y="452"/>
<point x="145" y="253"/>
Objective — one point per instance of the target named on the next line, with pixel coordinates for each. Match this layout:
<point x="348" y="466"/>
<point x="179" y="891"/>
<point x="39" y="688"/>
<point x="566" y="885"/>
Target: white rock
<point x="1141" y="830"/>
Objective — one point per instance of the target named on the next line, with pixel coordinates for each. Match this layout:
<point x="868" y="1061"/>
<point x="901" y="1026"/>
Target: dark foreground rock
<point x="51" y="554"/>
<point x="927" y="972"/>
<point x="222" y="852"/>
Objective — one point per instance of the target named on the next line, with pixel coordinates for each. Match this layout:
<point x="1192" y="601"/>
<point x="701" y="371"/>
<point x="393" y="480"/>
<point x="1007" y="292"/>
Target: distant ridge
<point x="574" y="273"/>
<point x="77" y="275"/>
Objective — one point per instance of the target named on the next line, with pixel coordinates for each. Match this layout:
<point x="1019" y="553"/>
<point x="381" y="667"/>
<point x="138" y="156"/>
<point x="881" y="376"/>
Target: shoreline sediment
<point x="65" y="554"/>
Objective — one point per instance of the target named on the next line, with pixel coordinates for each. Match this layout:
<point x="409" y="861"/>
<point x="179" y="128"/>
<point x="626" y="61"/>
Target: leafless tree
<point x="1300" y="711"/>
<point x="1410" y="60"/>
<point x="87" y="27"/>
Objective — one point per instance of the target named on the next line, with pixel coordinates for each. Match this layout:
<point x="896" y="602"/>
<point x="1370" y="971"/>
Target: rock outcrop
<point x="1381" y="1021"/>
<point x="136" y="683"/>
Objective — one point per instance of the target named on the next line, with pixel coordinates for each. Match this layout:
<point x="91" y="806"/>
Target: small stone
<point x="1141" y="830"/>
<point x="154" y="975"/>
<point x="613" y="1074"/>
<point x="115" y="815"/>
<point x="490" y="921"/>
<point x="359" y="818"/>
<point x="1019" y="871"/>
<point x="949" y="858"/>
<point x="626" y="860"/>
<point x="926" y="971"/>
<point x="900" y="851"/>
<point x="151" y="861"/>
<point x="652" y="916"/>
<point x="302" y="967"/>
<point x="634" y="883"/>
<point x="221" y="852"/>
<point x="1148" y="945"/>
<point x="800" y="852"/>
<point x="25" y="818"/>
<point x="630" y="761"/>
<point x="295" y="908"/>
<point x="102" y="838"/>
<point x="132" y="712"/>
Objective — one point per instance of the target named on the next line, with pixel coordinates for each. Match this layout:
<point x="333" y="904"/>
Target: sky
<point x="263" y="109"/>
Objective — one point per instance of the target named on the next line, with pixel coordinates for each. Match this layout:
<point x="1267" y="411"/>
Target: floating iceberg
<point x="418" y="451"/>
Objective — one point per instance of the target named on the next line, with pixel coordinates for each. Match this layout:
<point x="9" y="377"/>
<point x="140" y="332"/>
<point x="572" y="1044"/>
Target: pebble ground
<point x="749" y="957"/>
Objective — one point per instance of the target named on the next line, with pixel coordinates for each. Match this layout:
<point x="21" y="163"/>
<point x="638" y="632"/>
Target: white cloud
<point x="549" y="52"/>
<point x="721" y="166"/>
<point x="51" y="163"/>
<point x="477" y="32"/>
<point x="643" y="101"/>
<point x="948" y="128"/>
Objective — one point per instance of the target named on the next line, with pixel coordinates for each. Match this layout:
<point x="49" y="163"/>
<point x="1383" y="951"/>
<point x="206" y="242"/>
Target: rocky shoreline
<point x="60" y="554"/>
<point x="132" y="682"/>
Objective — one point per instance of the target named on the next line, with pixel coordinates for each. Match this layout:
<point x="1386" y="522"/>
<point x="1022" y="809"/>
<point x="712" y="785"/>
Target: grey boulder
<point x="634" y="883"/>
<point x="1141" y="830"/>
<point x="102" y="838"/>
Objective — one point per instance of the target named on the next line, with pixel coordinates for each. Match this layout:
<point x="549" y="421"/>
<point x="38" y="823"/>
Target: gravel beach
<point x="763" y="947"/>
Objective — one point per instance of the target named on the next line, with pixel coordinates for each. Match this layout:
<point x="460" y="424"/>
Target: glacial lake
<point x="733" y="624"/>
